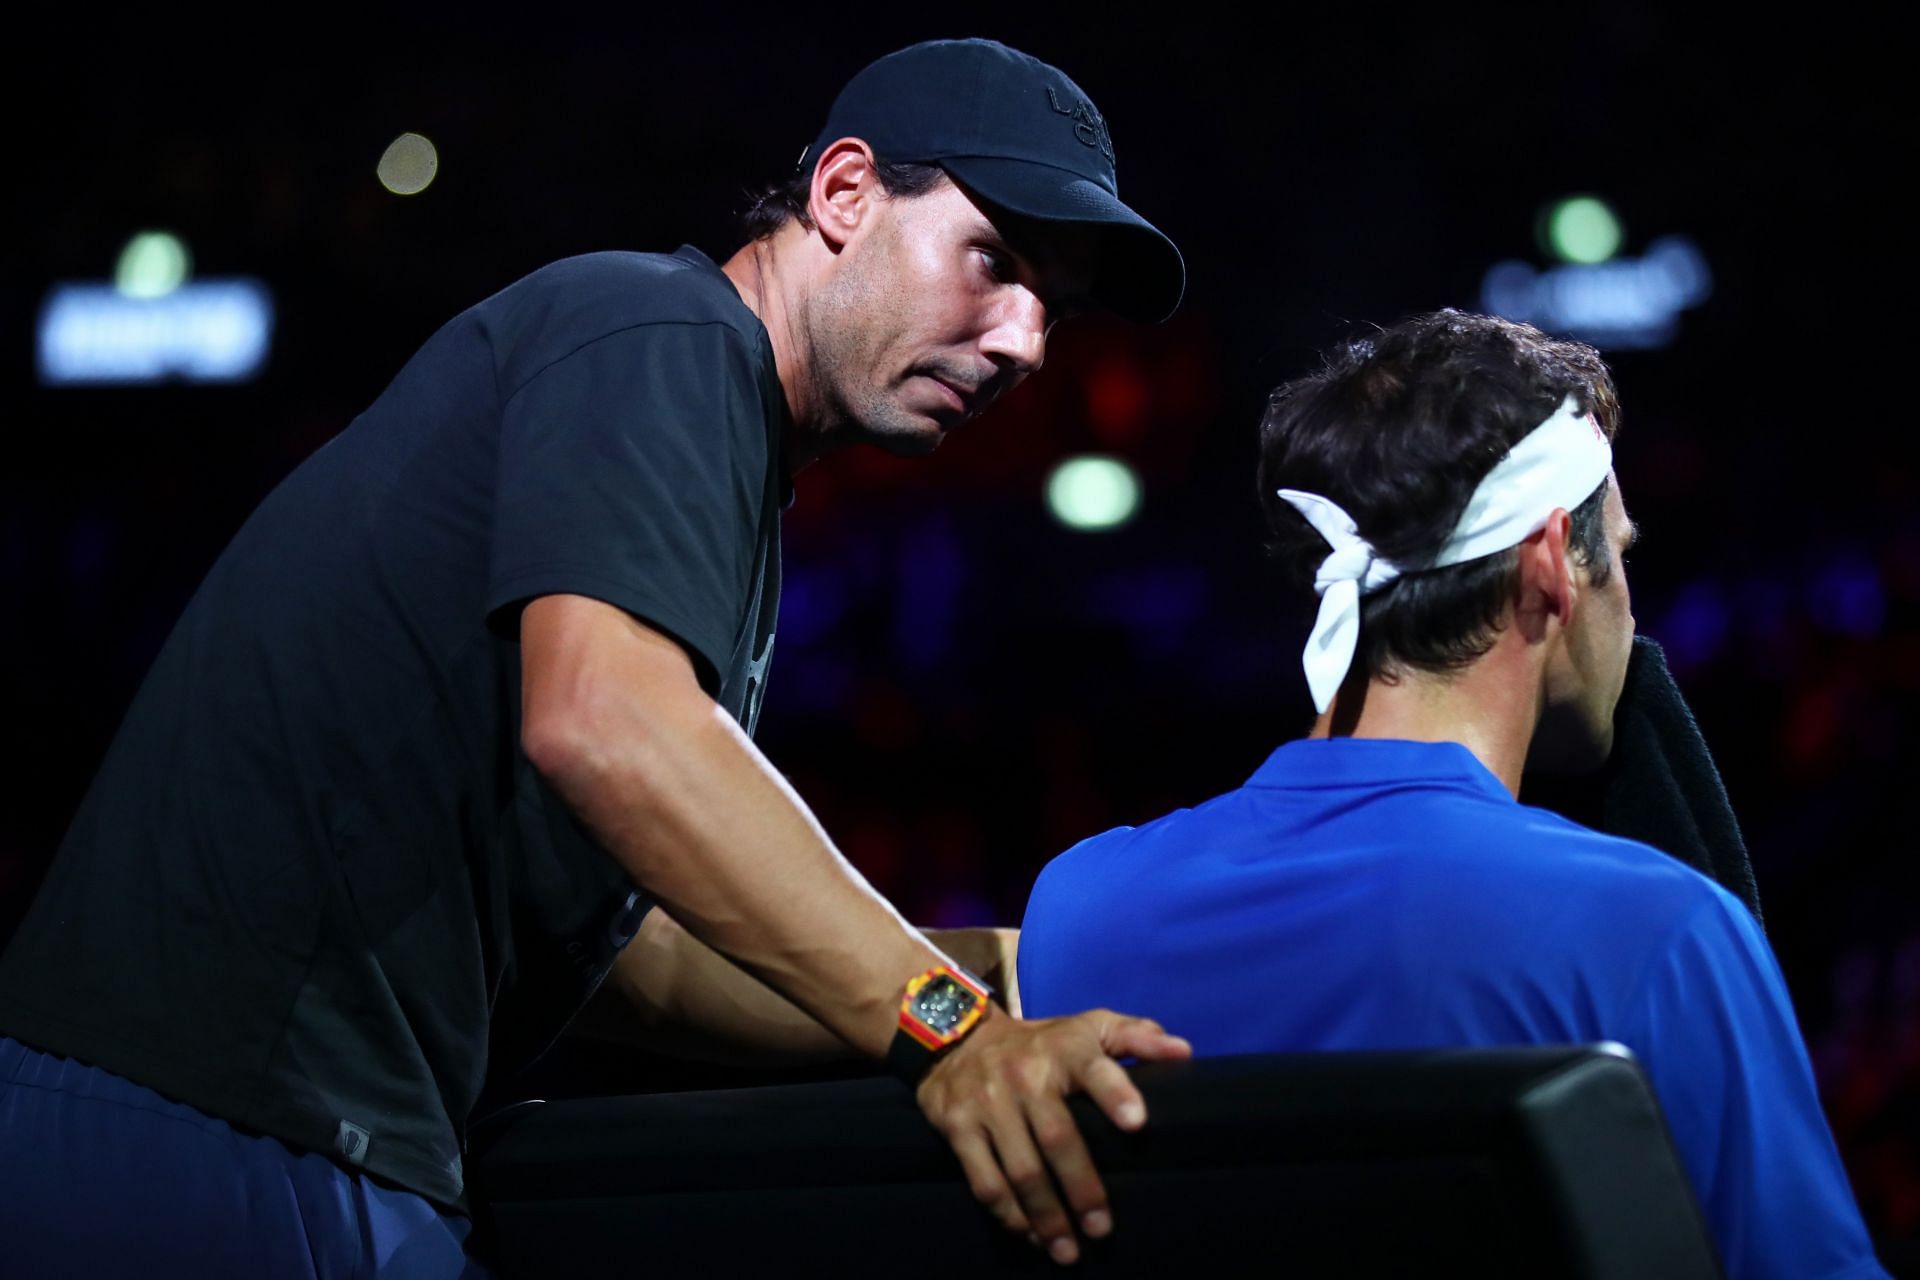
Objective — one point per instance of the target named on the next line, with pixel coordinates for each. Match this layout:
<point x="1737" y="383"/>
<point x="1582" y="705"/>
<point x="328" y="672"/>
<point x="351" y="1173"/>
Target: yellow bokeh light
<point x="408" y="165"/>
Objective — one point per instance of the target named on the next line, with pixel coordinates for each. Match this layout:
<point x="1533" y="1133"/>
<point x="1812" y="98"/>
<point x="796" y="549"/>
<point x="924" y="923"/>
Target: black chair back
<point x="1547" y="1161"/>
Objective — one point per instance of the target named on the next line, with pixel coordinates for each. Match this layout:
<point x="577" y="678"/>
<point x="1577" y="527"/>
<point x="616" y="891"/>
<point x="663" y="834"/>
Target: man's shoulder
<point x="581" y="299"/>
<point x="1515" y="853"/>
<point x="1585" y="853"/>
<point x="1457" y="855"/>
<point x="1101" y="864"/>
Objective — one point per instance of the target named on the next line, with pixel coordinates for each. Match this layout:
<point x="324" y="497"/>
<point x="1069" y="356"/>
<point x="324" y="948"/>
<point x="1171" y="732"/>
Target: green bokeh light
<point x="1582" y="229"/>
<point x="408" y="165"/>
<point x="153" y="265"/>
<point x="1093" y="492"/>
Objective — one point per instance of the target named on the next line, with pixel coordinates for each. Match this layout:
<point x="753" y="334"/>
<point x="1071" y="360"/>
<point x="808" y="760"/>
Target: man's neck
<point x="763" y="274"/>
<point x="1491" y="707"/>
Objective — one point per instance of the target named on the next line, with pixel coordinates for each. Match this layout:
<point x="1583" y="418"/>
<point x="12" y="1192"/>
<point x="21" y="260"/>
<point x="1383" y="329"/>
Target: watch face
<point x="942" y="1003"/>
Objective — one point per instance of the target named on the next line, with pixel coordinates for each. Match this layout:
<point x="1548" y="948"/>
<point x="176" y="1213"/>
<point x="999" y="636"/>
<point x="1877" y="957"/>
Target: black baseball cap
<point x="1019" y="134"/>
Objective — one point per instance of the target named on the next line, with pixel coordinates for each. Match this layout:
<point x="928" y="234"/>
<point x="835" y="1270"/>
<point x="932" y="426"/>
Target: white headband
<point x="1556" y="466"/>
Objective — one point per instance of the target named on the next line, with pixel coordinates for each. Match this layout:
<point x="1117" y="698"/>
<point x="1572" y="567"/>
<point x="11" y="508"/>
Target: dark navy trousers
<point x="102" y="1177"/>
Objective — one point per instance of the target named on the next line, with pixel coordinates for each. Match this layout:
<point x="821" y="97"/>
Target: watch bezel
<point x="914" y="1022"/>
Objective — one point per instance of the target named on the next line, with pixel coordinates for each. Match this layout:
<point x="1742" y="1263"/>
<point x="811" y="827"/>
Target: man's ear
<point x="844" y="192"/>
<point x="1547" y="585"/>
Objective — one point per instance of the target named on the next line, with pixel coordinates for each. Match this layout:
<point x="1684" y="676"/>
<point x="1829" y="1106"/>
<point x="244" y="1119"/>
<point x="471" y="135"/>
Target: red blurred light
<point x="1118" y="399"/>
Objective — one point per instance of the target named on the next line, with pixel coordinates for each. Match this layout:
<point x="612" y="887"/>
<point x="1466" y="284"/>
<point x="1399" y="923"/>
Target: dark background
<point x="964" y="688"/>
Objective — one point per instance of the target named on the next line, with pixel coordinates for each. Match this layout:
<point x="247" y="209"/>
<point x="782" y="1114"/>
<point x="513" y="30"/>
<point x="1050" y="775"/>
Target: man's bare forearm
<point x="674" y="790"/>
<point x="671" y="993"/>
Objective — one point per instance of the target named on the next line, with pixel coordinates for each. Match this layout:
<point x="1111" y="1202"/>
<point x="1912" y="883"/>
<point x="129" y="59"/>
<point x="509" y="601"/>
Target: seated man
<point x="1446" y="488"/>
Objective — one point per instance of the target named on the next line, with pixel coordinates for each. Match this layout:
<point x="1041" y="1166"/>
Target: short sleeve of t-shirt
<point x="1723" y="1050"/>
<point x="632" y="471"/>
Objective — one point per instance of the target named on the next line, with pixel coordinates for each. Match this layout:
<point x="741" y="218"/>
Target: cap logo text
<point x="1088" y="124"/>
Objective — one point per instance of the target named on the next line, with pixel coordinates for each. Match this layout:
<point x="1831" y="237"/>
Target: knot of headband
<point x="1555" y="466"/>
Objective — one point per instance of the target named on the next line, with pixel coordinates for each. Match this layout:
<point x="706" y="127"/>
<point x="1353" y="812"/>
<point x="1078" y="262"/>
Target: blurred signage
<point x="1622" y="303"/>
<point x="204" y="331"/>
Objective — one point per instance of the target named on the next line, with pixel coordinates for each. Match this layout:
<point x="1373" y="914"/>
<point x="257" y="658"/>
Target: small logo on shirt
<point x="352" y="1142"/>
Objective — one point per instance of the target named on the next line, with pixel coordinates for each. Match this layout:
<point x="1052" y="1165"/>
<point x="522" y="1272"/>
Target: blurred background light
<point x="153" y="265"/>
<point x="1118" y="401"/>
<point x="408" y="165"/>
<point x="1625" y="304"/>
<point x="1093" y="492"/>
<point x="208" y="331"/>
<point x="1696" y="626"/>
<point x="1848" y="596"/>
<point x="1581" y="229"/>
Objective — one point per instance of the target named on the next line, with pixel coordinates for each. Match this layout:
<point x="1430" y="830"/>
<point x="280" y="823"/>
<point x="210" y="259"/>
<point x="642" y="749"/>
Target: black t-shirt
<point x="316" y="888"/>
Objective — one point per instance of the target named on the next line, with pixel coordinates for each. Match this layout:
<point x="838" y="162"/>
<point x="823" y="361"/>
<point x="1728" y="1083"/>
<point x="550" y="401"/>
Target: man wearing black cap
<point x="467" y="703"/>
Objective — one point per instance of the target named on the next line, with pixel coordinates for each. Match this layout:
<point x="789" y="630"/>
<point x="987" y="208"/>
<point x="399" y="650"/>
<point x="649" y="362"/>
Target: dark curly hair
<point x="778" y="203"/>
<point x="1399" y="428"/>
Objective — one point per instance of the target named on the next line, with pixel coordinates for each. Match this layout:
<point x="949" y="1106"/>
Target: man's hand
<point x="999" y="1096"/>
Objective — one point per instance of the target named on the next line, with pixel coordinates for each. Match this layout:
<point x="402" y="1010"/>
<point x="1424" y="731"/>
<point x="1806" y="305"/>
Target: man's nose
<point x="1018" y="337"/>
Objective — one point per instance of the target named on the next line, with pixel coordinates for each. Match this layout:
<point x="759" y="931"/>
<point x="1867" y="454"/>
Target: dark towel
<point x="1660" y="786"/>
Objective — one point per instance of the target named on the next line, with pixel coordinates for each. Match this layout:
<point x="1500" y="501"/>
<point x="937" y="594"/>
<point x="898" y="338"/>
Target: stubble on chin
<point x="849" y="323"/>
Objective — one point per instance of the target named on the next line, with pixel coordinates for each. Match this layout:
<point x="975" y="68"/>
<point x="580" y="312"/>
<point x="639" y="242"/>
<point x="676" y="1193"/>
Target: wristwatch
<point x="941" y="1006"/>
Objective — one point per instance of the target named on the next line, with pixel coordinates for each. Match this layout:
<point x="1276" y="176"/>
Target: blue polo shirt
<point x="1373" y="894"/>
